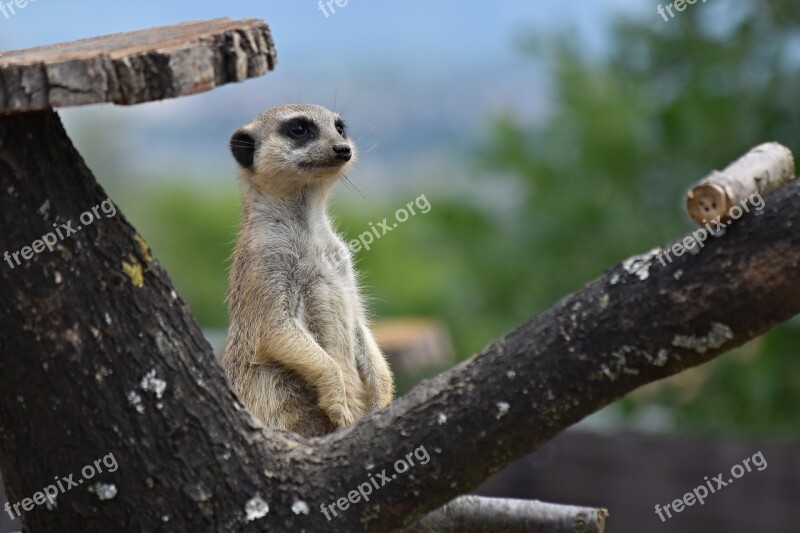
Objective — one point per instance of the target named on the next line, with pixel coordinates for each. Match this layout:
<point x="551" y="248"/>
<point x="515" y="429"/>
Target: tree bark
<point x="99" y="355"/>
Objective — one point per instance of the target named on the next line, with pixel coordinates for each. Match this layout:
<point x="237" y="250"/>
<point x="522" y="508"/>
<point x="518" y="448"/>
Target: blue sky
<point x="452" y="28"/>
<point x="412" y="78"/>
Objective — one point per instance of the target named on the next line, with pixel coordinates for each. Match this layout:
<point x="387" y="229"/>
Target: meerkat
<point x="299" y="353"/>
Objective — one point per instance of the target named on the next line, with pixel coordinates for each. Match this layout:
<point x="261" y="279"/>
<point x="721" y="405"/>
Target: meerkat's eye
<point x="340" y="128"/>
<point x="299" y="129"/>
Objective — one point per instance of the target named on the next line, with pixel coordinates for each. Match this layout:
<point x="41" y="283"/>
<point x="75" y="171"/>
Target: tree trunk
<point x="80" y="332"/>
<point x="99" y="356"/>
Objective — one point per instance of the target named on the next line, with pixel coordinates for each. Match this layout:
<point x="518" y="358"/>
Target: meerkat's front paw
<point x="382" y="399"/>
<point x="383" y="393"/>
<point x="340" y="415"/>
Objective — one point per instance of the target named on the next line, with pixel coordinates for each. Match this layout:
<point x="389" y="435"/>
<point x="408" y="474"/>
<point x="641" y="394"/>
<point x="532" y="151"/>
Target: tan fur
<point x="299" y="353"/>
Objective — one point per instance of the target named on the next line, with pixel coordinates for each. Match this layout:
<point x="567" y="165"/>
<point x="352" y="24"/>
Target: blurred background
<point x="552" y="139"/>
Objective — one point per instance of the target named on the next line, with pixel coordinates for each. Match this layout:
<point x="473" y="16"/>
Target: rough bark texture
<point x="489" y="515"/>
<point x="84" y="326"/>
<point x="133" y="67"/>
<point x="762" y="170"/>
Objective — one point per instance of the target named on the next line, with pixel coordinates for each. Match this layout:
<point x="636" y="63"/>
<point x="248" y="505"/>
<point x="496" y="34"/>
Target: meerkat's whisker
<point x="349" y="184"/>
<point x="369" y="149"/>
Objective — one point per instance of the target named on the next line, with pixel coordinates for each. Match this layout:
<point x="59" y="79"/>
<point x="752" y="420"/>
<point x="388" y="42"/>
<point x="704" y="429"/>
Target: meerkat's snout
<point x="293" y="144"/>
<point x="343" y="152"/>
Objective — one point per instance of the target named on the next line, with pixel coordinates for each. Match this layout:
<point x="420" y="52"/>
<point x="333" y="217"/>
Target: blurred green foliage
<point x="600" y="179"/>
<point x="603" y="177"/>
<point x="192" y="232"/>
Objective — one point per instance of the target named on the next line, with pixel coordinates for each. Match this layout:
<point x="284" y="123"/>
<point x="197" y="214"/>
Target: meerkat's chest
<point x="328" y="295"/>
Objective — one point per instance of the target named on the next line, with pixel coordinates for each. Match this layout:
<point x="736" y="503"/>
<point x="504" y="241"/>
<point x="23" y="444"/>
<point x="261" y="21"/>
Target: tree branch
<point x="638" y="323"/>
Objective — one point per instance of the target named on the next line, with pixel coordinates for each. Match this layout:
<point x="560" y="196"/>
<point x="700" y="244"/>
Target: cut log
<point x="478" y="515"/>
<point x="135" y="67"/>
<point x="762" y="170"/>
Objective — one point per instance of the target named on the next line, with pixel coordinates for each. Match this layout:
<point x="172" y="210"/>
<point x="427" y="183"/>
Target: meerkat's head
<point x="291" y="146"/>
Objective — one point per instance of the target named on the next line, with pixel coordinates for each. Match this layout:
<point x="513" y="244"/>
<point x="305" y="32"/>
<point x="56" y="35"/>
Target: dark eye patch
<point x="299" y="129"/>
<point x="243" y="148"/>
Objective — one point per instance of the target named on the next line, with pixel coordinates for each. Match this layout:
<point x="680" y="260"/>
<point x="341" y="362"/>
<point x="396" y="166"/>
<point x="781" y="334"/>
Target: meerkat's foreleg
<point x="375" y="372"/>
<point x="291" y="346"/>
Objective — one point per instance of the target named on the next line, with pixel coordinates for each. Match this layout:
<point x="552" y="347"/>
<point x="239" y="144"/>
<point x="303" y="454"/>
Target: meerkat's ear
<point x="243" y="148"/>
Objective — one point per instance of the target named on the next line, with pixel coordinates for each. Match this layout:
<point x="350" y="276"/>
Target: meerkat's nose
<point x="342" y="152"/>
